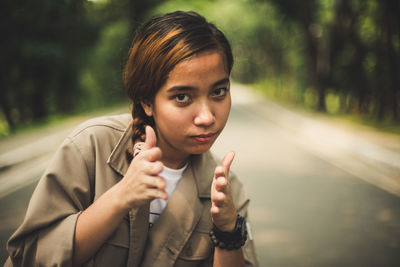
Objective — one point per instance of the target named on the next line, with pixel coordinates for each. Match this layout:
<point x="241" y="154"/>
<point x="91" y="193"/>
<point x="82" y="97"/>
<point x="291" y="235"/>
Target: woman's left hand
<point x="223" y="211"/>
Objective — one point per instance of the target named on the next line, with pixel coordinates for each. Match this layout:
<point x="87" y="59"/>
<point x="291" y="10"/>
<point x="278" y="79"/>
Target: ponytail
<point x="140" y="120"/>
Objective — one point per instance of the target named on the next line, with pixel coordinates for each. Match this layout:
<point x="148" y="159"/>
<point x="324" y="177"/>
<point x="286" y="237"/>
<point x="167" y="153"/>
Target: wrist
<point x="232" y="239"/>
<point x="227" y="222"/>
<point x="117" y="197"/>
<point x="228" y="227"/>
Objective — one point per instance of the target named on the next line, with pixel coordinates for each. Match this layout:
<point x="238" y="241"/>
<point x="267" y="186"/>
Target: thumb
<point x="151" y="138"/>
<point x="227" y="161"/>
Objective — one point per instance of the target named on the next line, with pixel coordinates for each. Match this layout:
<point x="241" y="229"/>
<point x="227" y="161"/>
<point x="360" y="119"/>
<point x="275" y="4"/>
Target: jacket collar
<point x="118" y="157"/>
<point x="202" y="166"/>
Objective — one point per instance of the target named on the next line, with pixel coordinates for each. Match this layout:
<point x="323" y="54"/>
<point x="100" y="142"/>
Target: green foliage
<point x="45" y="41"/>
<point x="343" y="55"/>
<point x="4" y="127"/>
<point x="62" y="56"/>
<point x="101" y="77"/>
<point x="250" y="26"/>
<point x="337" y="56"/>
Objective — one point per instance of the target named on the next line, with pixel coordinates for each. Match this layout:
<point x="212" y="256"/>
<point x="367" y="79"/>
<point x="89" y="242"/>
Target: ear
<point x="147" y="107"/>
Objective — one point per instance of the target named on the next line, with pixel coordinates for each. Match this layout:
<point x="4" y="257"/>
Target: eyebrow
<point x="191" y="88"/>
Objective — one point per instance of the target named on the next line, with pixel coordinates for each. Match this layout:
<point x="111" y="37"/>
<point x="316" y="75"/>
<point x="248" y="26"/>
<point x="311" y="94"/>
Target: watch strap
<point x="230" y="240"/>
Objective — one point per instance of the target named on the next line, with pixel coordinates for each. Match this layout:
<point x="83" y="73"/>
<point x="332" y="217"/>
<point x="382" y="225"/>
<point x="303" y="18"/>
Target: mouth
<point x="204" y="138"/>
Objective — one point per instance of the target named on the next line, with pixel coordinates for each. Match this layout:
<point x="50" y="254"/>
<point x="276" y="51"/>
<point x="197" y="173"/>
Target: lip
<point x="204" y="138"/>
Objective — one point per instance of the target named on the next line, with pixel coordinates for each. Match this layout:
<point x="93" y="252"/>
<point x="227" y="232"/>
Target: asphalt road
<point x="305" y="210"/>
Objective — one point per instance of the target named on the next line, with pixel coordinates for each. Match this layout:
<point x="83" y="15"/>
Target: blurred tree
<point x="364" y="40"/>
<point x="42" y="45"/>
<point x="350" y="48"/>
<point x="59" y="55"/>
<point x="50" y="48"/>
<point x="348" y="53"/>
<point x="304" y="14"/>
<point x="388" y="55"/>
<point x="101" y="75"/>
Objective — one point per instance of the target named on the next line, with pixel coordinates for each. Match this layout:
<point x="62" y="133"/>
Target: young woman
<point x="143" y="189"/>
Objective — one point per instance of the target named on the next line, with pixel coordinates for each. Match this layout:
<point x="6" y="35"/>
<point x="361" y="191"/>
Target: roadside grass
<point x="59" y="120"/>
<point x="306" y="102"/>
<point x="385" y="126"/>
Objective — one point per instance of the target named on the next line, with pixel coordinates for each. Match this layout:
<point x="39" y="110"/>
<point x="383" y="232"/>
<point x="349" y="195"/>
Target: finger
<point x="151" y="138"/>
<point x="156" y="182"/>
<point x="219" y="199"/>
<point x="214" y="210"/>
<point x="219" y="171"/>
<point x="227" y="161"/>
<point x="152" y="168"/>
<point x="221" y="184"/>
<point x="152" y="154"/>
<point x="153" y="193"/>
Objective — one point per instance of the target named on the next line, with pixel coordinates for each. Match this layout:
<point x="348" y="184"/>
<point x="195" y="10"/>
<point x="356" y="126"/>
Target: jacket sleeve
<point x="46" y="236"/>
<point x="242" y="201"/>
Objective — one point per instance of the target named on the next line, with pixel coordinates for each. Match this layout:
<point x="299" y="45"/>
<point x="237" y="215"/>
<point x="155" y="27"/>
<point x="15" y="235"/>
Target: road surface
<point x="314" y="201"/>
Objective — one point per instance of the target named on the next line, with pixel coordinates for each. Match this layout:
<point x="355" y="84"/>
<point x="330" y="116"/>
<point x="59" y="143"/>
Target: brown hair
<point x="158" y="46"/>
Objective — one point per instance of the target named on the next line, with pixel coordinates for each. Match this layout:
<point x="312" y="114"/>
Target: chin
<point x="200" y="149"/>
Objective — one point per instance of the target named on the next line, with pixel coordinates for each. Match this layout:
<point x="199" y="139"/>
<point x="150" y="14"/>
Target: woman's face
<point x="191" y="109"/>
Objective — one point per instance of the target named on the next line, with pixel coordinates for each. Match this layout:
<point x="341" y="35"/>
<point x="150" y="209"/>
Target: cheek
<point x="223" y="110"/>
<point x="175" y="120"/>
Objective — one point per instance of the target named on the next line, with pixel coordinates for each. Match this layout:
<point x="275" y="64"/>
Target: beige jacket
<point x="90" y="161"/>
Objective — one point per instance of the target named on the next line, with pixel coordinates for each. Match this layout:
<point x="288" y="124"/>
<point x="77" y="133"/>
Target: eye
<point x="220" y="92"/>
<point x="182" y="98"/>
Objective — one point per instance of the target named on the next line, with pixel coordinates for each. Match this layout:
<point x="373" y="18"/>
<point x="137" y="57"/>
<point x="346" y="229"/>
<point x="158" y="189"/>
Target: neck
<point x="171" y="157"/>
<point x="174" y="163"/>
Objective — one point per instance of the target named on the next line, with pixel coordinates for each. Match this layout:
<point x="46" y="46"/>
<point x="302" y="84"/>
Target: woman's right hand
<point x="142" y="183"/>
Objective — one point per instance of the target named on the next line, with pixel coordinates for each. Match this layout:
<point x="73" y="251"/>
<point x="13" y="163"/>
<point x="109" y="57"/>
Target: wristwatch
<point x="230" y="240"/>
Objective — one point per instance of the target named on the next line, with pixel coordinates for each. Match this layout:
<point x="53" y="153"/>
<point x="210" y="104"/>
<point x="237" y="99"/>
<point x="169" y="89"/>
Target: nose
<point x="204" y="115"/>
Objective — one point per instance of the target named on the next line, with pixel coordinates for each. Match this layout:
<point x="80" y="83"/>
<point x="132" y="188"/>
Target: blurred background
<point x="334" y="56"/>
<point x="317" y="87"/>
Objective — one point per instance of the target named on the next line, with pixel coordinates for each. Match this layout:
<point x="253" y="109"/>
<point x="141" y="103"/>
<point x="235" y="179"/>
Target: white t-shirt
<point x="172" y="177"/>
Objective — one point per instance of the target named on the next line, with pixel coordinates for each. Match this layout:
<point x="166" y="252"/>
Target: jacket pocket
<point x="197" y="250"/>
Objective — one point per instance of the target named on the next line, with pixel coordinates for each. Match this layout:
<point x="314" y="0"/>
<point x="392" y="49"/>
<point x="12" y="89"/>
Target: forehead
<point x="200" y="69"/>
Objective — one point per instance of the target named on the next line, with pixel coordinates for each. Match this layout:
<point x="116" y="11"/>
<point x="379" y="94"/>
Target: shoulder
<point x="114" y="123"/>
<point x="107" y="129"/>
<point x="100" y="134"/>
